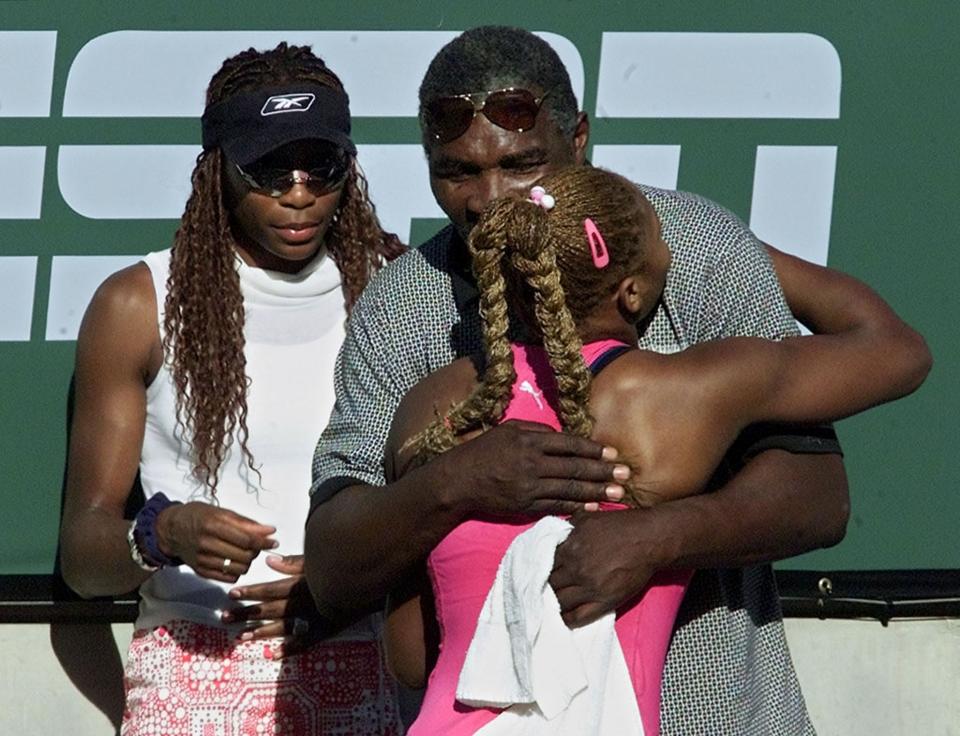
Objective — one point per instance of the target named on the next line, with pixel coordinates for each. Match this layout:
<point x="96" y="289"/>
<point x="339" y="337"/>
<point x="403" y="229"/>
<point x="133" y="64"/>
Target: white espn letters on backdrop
<point x="641" y="75"/>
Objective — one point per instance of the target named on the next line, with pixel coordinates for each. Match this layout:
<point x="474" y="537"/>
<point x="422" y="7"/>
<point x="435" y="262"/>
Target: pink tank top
<point x="463" y="565"/>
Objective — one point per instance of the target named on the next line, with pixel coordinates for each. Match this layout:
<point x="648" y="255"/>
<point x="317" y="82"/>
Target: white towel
<point x="550" y="679"/>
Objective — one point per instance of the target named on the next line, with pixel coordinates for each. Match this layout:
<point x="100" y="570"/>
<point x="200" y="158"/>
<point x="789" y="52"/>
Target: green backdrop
<point x="894" y="212"/>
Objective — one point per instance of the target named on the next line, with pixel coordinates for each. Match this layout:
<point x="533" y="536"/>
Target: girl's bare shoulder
<point x="634" y="376"/>
<point x="432" y="396"/>
<point x="645" y="376"/>
<point x="673" y="416"/>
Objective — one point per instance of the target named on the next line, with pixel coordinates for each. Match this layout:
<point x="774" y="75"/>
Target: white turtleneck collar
<point x="318" y="277"/>
<point x="287" y="308"/>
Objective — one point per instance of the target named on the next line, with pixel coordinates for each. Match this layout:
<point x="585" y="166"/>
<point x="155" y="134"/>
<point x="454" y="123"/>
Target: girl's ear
<point x="632" y="296"/>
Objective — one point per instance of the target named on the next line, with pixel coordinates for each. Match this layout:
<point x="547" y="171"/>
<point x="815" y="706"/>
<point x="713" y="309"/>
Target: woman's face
<point x="285" y="232"/>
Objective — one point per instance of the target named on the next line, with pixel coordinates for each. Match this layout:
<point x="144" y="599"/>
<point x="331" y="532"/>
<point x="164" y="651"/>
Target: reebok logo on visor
<point x="288" y="103"/>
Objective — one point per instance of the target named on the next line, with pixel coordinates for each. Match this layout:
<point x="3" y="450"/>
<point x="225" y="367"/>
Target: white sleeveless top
<point x="293" y="330"/>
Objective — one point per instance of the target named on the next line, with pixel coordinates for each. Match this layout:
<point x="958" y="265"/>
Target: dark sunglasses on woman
<point x="448" y="118"/>
<point x="320" y="177"/>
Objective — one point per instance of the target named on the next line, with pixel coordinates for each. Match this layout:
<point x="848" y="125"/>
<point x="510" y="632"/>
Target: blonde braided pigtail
<point x="486" y="403"/>
<point x="535" y="259"/>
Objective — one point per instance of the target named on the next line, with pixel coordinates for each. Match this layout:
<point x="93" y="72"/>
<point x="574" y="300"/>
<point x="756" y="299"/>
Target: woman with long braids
<point x="209" y="367"/>
<point x="566" y="279"/>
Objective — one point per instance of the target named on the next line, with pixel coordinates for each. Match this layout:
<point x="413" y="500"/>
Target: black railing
<point x="876" y="594"/>
<point x="32" y="599"/>
<point x="872" y="594"/>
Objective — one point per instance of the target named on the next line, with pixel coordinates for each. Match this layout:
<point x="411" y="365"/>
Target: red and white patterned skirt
<point x="186" y="679"/>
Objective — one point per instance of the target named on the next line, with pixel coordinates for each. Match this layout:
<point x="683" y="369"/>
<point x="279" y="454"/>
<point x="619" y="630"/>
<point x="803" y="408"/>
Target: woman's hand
<point x="217" y="543"/>
<point x="283" y="608"/>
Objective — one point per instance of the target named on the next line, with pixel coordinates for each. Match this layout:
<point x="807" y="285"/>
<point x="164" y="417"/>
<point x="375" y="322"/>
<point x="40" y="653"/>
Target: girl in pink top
<point x="578" y="266"/>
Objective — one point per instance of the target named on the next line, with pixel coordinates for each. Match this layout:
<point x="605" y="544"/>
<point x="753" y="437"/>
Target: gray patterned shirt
<point x="728" y="669"/>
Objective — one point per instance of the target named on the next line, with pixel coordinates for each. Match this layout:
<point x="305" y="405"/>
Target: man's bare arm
<point x="779" y="505"/>
<point x="362" y="542"/>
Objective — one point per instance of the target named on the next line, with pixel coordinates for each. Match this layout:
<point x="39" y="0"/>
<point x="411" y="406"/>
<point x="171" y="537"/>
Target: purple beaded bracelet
<point x="145" y="532"/>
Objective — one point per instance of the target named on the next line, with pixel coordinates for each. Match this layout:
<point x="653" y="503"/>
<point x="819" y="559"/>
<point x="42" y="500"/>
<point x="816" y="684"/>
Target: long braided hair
<point x="203" y="312"/>
<point x="523" y="256"/>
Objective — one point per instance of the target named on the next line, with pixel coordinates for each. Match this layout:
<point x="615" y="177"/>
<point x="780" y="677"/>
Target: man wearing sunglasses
<point x="497" y="113"/>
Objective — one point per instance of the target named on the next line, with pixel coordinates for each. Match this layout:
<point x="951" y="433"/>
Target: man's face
<point x="488" y="162"/>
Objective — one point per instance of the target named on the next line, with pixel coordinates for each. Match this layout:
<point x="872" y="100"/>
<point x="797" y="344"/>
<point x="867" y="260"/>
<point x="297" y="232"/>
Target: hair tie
<point x="598" y="248"/>
<point x="539" y="196"/>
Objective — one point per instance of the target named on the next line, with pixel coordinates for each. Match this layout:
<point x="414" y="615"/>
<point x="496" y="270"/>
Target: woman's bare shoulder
<point x="126" y="293"/>
<point x="120" y="326"/>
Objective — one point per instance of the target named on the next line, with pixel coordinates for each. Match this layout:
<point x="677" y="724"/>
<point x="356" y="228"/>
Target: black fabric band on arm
<point x="330" y="488"/>
<point x="806" y="439"/>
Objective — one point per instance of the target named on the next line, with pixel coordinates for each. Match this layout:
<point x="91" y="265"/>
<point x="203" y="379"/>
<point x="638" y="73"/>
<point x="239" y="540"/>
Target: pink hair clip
<point x="598" y="247"/>
<point x="539" y="196"/>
